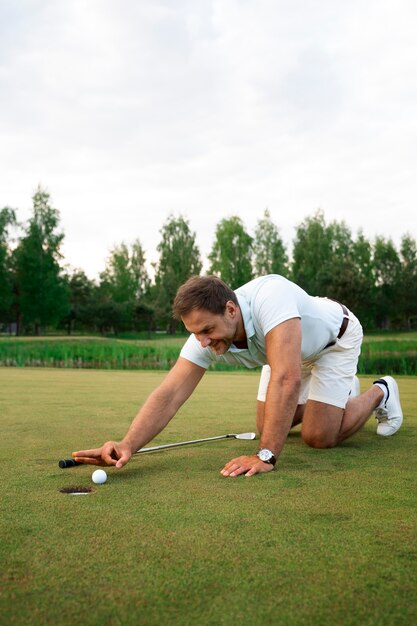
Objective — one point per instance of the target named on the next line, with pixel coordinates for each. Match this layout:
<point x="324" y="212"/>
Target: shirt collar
<point x="246" y="316"/>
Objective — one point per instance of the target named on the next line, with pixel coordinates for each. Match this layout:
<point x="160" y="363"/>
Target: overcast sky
<point x="130" y="110"/>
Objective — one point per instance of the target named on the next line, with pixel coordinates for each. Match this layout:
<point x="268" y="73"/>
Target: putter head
<point x="246" y="436"/>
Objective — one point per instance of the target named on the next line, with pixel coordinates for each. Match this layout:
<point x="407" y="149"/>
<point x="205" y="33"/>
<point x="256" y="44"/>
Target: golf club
<point x="64" y="463"/>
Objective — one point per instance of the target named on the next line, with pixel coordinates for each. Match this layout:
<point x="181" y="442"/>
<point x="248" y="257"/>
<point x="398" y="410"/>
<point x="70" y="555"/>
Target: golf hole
<point x="76" y="491"/>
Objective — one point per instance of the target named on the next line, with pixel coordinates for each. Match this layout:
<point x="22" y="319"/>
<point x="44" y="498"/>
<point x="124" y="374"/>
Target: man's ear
<point x="231" y="308"/>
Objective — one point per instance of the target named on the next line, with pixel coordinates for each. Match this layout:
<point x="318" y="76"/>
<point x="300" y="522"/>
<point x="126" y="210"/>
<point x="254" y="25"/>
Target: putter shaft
<point x="180" y="443"/>
<point x="65" y="463"/>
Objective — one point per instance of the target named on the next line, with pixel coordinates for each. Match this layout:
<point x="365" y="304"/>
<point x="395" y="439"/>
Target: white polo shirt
<point x="265" y="303"/>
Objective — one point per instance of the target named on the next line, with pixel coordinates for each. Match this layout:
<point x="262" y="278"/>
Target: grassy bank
<point x="396" y="356"/>
<point x="90" y="353"/>
<point x="327" y="538"/>
<point x="380" y="353"/>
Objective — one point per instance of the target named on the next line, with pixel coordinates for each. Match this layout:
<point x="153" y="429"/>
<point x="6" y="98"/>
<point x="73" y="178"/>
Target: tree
<point x="125" y="276"/>
<point x="338" y="275"/>
<point x="105" y="315"/>
<point x="387" y="266"/>
<point x="329" y="262"/>
<point x="408" y="281"/>
<point x="125" y="281"/>
<point x="231" y="254"/>
<point x="7" y="219"/>
<point x="362" y="295"/>
<point x="179" y="259"/>
<point x="42" y="291"/>
<point x="81" y="293"/>
<point x="313" y="255"/>
<point x="269" y="250"/>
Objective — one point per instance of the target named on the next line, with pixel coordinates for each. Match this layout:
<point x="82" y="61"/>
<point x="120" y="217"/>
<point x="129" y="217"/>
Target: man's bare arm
<point x="283" y="349"/>
<point x="158" y="410"/>
<point x="163" y="403"/>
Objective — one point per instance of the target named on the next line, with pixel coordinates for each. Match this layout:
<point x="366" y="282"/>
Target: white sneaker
<point x="389" y="414"/>
<point x="355" y="390"/>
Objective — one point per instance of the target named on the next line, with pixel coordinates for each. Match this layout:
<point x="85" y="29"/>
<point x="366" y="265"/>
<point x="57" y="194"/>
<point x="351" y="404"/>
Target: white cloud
<point x="130" y="110"/>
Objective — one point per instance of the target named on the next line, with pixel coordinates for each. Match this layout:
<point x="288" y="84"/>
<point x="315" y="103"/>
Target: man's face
<point x="211" y="330"/>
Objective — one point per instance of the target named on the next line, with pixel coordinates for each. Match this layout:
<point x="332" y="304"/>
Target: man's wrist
<point x="128" y="443"/>
<point x="267" y="456"/>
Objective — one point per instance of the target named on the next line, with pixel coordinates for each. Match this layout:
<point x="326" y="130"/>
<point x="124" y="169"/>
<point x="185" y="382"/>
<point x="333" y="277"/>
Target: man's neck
<point x="240" y="339"/>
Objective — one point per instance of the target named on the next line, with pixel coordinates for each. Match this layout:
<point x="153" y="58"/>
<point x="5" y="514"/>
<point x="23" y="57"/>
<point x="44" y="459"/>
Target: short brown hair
<point x="202" y="292"/>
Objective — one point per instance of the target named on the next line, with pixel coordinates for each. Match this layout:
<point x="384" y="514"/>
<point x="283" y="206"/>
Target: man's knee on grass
<point x="321" y="424"/>
<point x="318" y="438"/>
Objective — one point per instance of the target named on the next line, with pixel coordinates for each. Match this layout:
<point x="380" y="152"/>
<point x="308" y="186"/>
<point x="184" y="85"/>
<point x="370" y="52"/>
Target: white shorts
<point x="328" y="377"/>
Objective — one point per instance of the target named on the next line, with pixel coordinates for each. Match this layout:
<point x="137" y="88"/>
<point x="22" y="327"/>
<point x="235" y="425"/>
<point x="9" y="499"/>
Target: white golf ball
<point x="99" y="477"/>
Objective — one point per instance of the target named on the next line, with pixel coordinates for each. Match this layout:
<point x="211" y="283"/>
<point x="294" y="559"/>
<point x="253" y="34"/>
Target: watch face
<point x="265" y="454"/>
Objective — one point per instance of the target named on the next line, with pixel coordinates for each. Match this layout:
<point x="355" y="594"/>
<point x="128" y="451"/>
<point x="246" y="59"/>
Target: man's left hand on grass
<point x="247" y="465"/>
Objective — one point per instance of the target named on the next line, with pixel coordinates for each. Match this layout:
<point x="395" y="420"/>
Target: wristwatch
<point x="266" y="456"/>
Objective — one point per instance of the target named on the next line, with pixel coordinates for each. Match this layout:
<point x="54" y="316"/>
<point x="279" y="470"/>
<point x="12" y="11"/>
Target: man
<point x="309" y="348"/>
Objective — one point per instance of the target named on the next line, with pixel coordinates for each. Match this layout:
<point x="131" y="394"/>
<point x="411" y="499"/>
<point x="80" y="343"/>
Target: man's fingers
<point x="252" y="471"/>
<point x="238" y="466"/>
<point x="260" y="468"/>
<point x="87" y="460"/>
<point x="248" y="465"/>
<point x="230" y="469"/>
<point x="89" y="457"/>
<point x="95" y="452"/>
<point x="124" y="458"/>
<point x="238" y="461"/>
<point x="111" y="453"/>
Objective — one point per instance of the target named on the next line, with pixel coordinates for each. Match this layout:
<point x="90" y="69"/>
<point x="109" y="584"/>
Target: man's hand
<point x="247" y="465"/>
<point x="111" y="453"/>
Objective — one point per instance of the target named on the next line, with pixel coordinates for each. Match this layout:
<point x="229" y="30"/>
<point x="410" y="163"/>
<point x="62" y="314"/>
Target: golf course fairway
<point x="328" y="538"/>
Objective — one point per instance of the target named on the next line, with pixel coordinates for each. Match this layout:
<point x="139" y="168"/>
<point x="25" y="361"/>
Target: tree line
<point x="38" y="292"/>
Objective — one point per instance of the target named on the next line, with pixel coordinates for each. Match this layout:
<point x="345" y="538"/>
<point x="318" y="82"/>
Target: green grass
<point x="380" y="353"/>
<point x="328" y="538"/>
<point x="394" y="355"/>
<point x="90" y="353"/>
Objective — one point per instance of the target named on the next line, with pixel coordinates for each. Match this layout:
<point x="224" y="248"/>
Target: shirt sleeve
<point x="274" y="303"/>
<point x="194" y="352"/>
